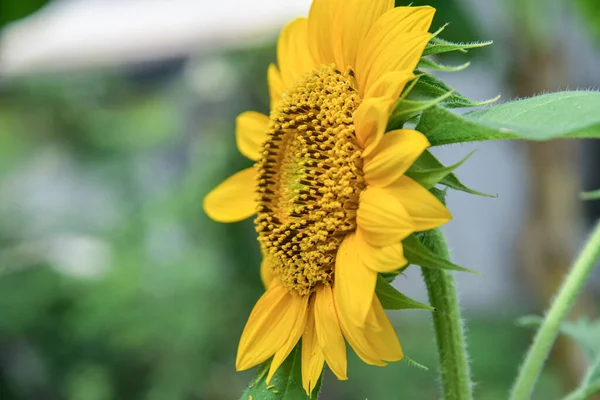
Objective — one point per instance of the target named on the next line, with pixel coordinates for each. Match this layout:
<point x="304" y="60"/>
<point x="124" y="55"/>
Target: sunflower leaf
<point x="392" y="299"/>
<point x="591" y="195"/>
<point x="428" y="162"/>
<point x="286" y="384"/>
<point x="545" y="117"/>
<point x="438" y="46"/>
<point x="416" y="253"/>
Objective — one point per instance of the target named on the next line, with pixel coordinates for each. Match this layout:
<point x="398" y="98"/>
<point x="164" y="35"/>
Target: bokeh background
<point x="116" y="118"/>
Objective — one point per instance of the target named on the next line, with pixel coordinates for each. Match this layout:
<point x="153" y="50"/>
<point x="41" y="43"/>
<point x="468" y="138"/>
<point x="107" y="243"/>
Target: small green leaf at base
<point x="437" y="46"/>
<point x="591" y="195"/>
<point x="416" y="253"/>
<point x="392" y="299"/>
<point x="286" y="384"/>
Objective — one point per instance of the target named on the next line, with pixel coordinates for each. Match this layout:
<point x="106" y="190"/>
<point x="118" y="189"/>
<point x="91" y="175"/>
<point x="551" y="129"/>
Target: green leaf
<point x="545" y="117"/>
<point x="591" y="195"/>
<point x="428" y="162"/>
<point x="438" y="46"/>
<point x="416" y="253"/>
<point x="392" y="299"/>
<point x="286" y="384"/>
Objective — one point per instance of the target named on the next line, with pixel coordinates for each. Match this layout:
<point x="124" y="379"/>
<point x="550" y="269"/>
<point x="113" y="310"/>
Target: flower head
<point x="328" y="187"/>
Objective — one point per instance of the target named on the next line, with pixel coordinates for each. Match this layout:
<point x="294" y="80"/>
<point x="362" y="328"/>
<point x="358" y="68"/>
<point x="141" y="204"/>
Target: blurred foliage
<point x="590" y="12"/>
<point x="453" y="12"/>
<point x="13" y="10"/>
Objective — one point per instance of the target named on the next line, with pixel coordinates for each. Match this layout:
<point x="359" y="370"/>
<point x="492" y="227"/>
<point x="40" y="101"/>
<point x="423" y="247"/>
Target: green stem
<point x="546" y="335"/>
<point x="452" y="350"/>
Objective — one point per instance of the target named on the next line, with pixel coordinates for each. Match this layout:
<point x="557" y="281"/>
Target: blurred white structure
<point x="74" y="34"/>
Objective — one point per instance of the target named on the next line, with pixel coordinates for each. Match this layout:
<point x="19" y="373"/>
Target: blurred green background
<point x="114" y="284"/>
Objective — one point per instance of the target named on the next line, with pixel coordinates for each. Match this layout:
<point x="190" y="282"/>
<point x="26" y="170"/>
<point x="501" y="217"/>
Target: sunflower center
<point x="310" y="178"/>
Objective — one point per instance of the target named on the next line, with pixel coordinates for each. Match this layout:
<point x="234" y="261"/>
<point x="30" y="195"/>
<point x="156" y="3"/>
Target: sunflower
<point x="328" y="187"/>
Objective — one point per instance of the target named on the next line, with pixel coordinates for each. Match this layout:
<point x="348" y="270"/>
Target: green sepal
<point x="404" y="110"/>
<point x="438" y="46"/>
<point x="414" y="363"/>
<point x="426" y="63"/>
<point x="428" y="162"/>
<point x="430" y="87"/>
<point x="392" y="299"/>
<point x="428" y="177"/>
<point x="286" y="384"/>
<point x="390" y="276"/>
<point x="416" y="253"/>
<point x="595" y="195"/>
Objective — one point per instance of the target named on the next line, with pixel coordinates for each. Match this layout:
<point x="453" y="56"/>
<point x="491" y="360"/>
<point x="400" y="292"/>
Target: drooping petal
<point x="354" y="282"/>
<point x="293" y="54"/>
<point x="269" y="326"/>
<point x="294" y="337"/>
<point x="385" y="341"/>
<point x="380" y="259"/>
<point x="370" y="121"/>
<point x="234" y="199"/>
<point x="389" y="85"/>
<point x="382" y="219"/>
<point x="355" y="336"/>
<point x="356" y="19"/>
<point x="394" y="154"/>
<point x="276" y="85"/>
<point x="329" y="333"/>
<point x="312" y="356"/>
<point x="321" y="22"/>
<point x="394" y="43"/>
<point x="251" y="133"/>
<point x="426" y="211"/>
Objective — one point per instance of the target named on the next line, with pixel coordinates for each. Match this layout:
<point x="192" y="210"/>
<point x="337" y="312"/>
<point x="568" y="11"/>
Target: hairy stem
<point x="546" y="335"/>
<point x="451" y="344"/>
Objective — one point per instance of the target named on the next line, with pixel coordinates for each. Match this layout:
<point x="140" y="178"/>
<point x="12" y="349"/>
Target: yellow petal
<point x="394" y="154"/>
<point x="395" y="42"/>
<point x="370" y="121"/>
<point x="276" y="85"/>
<point x="234" y="199"/>
<point x="293" y="54"/>
<point x="354" y="282"/>
<point x="329" y="333"/>
<point x="321" y="20"/>
<point x="389" y="85"/>
<point x="382" y="219"/>
<point x="385" y="341"/>
<point x="312" y="356"/>
<point x="269" y="326"/>
<point x="380" y="259"/>
<point x="426" y="211"/>
<point x="357" y="17"/>
<point x="294" y="337"/>
<point x="356" y="337"/>
<point x="251" y="133"/>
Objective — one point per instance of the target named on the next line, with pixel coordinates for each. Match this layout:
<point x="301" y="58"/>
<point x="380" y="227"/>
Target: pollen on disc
<point x="310" y="178"/>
